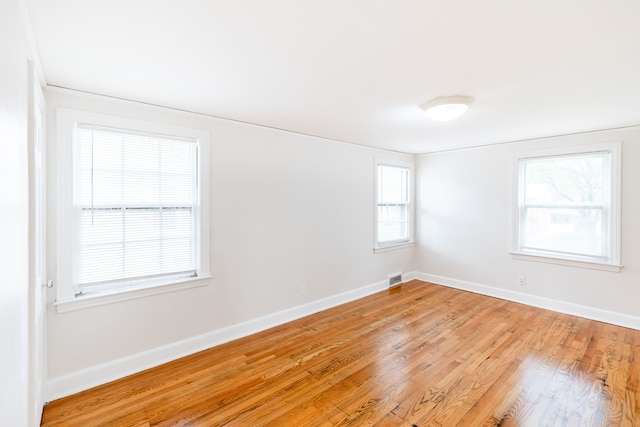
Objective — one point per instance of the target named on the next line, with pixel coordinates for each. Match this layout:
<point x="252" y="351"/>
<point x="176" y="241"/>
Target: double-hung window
<point x="568" y="205"/>
<point x="393" y="204"/>
<point x="134" y="211"/>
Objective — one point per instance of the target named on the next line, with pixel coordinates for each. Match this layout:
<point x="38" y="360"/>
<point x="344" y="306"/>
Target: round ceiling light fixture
<point x="445" y="108"/>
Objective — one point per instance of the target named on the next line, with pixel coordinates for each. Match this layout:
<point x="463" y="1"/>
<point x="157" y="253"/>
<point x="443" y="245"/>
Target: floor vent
<point x="395" y="280"/>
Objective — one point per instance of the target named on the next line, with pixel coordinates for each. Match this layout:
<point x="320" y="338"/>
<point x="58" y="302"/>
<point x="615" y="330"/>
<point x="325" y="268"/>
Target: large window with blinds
<point x="135" y="205"/>
<point x="568" y="204"/>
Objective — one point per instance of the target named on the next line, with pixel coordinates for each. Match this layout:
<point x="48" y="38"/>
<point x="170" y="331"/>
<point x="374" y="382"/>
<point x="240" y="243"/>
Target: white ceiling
<point x="357" y="70"/>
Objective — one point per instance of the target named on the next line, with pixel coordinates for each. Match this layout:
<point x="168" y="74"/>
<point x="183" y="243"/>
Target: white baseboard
<point x="93" y="376"/>
<point x="408" y="276"/>
<point x="587" y="312"/>
<point x="84" y="379"/>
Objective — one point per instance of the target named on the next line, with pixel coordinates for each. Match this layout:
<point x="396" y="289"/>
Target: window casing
<point x="133" y="202"/>
<point x="393" y="214"/>
<point x="567" y="206"/>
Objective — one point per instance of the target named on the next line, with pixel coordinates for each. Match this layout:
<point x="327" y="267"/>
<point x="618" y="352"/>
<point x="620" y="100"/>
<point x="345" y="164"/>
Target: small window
<point x="131" y="203"/>
<point x="567" y="204"/>
<point x="393" y="204"/>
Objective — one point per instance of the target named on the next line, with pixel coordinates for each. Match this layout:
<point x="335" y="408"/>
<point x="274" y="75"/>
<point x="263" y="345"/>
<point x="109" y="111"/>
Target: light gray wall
<point x="286" y="210"/>
<point x="464" y="230"/>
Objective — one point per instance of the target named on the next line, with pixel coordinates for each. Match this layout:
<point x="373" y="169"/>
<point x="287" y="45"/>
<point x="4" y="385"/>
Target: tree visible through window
<point x="566" y="206"/>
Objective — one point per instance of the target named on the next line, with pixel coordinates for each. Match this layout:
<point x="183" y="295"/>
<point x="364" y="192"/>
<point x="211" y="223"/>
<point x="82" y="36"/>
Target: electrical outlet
<point x="522" y="280"/>
<point x="303" y="290"/>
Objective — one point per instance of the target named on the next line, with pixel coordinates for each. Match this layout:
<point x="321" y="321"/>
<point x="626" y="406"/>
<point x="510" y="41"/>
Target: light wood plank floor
<point x="421" y="355"/>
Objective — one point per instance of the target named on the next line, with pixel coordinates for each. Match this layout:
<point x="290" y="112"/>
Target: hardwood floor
<point x="421" y="355"/>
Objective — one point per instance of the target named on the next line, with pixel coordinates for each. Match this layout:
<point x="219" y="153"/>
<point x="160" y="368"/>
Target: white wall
<point x="289" y="209"/>
<point x="464" y="234"/>
<point x="14" y="53"/>
<point x="286" y="210"/>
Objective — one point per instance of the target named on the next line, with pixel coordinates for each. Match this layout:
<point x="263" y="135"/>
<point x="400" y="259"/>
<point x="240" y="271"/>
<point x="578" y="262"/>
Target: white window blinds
<point x="135" y="206"/>
<point x="393" y="205"/>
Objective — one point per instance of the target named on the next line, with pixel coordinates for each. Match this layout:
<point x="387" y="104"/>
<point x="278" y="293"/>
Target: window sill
<point x="568" y="262"/>
<point x="109" y="297"/>
<point x="393" y="247"/>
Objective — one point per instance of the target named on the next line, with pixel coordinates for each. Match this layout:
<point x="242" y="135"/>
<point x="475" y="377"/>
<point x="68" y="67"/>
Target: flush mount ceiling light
<point x="445" y="108"/>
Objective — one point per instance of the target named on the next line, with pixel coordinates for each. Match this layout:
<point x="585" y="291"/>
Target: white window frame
<point x="384" y="247"/>
<point x="612" y="261"/>
<point x="66" y="297"/>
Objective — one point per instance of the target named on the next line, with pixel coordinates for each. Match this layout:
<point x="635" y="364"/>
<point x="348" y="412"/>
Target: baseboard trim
<point x="84" y="379"/>
<point x="74" y="382"/>
<point x="587" y="312"/>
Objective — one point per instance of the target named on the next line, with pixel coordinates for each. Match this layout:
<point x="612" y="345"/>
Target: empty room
<point x="290" y="213"/>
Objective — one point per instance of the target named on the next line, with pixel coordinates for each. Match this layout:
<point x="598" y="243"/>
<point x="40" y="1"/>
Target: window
<point x="135" y="207"/>
<point x="393" y="204"/>
<point x="567" y="205"/>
